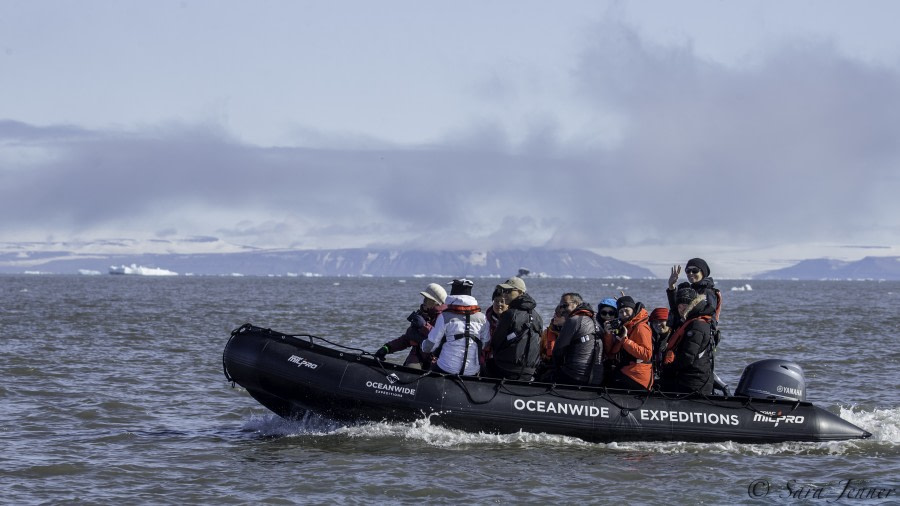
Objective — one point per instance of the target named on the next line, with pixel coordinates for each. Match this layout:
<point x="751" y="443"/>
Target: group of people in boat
<point x="619" y="343"/>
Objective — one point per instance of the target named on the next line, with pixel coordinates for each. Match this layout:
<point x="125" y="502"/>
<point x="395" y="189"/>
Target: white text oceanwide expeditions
<point x="398" y="389"/>
<point x="567" y="408"/>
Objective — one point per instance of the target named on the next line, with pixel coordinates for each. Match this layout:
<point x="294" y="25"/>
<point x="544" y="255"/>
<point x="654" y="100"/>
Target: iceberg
<point x="140" y="270"/>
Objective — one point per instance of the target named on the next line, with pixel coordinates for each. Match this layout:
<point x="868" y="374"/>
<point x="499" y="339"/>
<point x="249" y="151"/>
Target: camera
<point x="613" y="325"/>
<point x="416" y="319"/>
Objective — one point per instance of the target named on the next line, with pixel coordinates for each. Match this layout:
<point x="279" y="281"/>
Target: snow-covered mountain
<point x="887" y="268"/>
<point x="338" y="262"/>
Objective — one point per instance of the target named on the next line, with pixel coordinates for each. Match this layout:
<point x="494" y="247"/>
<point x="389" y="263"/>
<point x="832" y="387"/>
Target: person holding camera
<point x="421" y="322"/>
<point x="628" y="341"/>
<point x="606" y="311"/>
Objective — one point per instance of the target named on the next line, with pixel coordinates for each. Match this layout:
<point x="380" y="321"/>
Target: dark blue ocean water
<point x="112" y="392"/>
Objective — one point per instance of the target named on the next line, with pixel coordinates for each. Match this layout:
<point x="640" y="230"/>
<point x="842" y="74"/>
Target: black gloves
<point x="381" y="352"/>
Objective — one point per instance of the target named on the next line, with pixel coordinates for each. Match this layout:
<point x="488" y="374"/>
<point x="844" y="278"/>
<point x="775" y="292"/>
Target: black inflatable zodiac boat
<point x="293" y="374"/>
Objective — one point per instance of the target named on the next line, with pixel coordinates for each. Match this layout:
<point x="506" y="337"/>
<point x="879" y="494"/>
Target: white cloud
<point x="631" y="143"/>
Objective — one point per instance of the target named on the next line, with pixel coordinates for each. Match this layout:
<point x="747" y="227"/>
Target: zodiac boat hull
<point x="291" y="375"/>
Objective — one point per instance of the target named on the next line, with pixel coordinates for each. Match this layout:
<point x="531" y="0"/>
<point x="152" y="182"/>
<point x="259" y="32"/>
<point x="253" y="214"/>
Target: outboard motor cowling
<point x="773" y="379"/>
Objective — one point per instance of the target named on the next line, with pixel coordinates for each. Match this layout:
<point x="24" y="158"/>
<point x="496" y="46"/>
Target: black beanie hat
<point x="461" y="287"/>
<point x="700" y="264"/>
<point x="685" y="295"/>
<point x="625" y="301"/>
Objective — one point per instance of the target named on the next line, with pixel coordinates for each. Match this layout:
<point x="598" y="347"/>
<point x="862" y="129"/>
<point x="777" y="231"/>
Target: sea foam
<point x="884" y="424"/>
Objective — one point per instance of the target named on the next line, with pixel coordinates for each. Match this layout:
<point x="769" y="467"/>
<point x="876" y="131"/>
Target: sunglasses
<point x="691" y="270"/>
<point x="607" y="313"/>
<point x="507" y="290"/>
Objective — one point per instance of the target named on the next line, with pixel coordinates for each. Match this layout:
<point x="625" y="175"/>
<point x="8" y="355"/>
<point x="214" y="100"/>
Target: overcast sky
<point x="652" y="131"/>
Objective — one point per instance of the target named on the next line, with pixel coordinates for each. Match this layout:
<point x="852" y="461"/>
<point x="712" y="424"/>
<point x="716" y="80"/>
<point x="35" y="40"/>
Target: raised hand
<point x="673" y="278"/>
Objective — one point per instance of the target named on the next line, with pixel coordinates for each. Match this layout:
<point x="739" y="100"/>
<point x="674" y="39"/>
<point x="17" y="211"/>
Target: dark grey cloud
<point x="12" y="132"/>
<point x="798" y="147"/>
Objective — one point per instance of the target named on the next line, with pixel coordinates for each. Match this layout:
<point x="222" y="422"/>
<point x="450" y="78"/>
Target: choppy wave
<point x="81" y="425"/>
<point x="884" y="424"/>
<point x="271" y="425"/>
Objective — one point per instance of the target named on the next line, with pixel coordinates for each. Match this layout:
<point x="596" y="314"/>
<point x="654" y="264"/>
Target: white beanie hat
<point x="435" y="292"/>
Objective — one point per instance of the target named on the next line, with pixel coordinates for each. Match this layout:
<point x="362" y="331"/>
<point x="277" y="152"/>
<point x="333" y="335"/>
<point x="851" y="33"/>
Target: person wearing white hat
<point x="421" y="322"/>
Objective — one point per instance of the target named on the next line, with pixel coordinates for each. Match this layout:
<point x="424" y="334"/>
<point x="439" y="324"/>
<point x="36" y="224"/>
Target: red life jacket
<point x="585" y="312"/>
<point x="463" y="309"/>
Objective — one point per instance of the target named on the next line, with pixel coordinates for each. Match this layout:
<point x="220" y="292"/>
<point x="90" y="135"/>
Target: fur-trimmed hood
<point x="698" y="307"/>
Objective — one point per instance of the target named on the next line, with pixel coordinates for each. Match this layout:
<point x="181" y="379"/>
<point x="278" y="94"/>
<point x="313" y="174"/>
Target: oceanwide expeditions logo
<point x="389" y="389"/>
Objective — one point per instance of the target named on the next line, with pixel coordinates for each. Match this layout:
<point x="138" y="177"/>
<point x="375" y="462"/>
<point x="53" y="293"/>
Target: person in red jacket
<point x="630" y="345"/>
<point x="659" y="324"/>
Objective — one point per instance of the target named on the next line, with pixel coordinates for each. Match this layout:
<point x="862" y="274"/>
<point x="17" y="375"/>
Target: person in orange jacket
<point x="629" y="344"/>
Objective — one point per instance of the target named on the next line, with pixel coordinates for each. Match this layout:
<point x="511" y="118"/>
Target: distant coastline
<point x="382" y="262"/>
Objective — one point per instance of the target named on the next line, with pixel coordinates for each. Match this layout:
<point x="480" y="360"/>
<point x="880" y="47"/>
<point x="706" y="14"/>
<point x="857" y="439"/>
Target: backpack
<point x="531" y="329"/>
<point x="518" y="352"/>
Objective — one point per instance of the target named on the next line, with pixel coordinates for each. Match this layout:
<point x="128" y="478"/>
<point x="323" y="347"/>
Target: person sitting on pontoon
<point x="421" y="322"/>
<point x="454" y="338"/>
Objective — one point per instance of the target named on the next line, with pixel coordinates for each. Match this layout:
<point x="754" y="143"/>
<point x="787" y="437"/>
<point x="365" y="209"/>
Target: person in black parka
<point x="516" y="342"/>
<point x="578" y="348"/>
<point x="697" y="272"/>
<point x="687" y="365"/>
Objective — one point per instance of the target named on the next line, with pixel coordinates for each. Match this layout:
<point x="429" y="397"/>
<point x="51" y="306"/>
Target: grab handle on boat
<point x="718" y="384"/>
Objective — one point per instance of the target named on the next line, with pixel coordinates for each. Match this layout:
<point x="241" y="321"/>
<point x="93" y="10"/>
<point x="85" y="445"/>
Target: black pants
<point x="492" y="371"/>
<point x="626" y="383"/>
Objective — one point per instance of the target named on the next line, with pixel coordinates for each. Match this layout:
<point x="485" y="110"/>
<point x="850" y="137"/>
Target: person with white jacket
<point x="454" y="337"/>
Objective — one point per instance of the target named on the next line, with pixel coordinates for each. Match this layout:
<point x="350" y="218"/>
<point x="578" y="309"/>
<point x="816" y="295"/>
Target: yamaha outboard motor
<point x="773" y="379"/>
